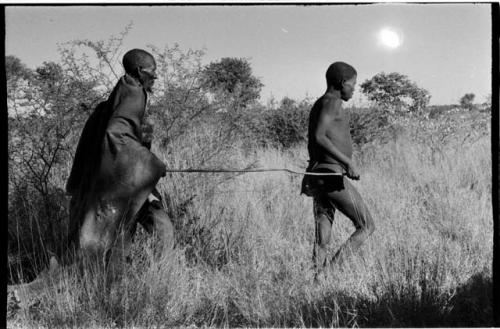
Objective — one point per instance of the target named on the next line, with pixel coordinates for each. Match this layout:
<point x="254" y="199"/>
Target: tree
<point x="232" y="81"/>
<point x="15" y="71"/>
<point x="467" y="100"/>
<point x="18" y="77"/>
<point x="287" y="124"/>
<point x="178" y="100"/>
<point x="395" y="92"/>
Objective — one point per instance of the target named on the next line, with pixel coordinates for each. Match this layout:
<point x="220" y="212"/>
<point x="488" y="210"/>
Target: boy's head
<point x="342" y="76"/>
<point x="141" y="65"/>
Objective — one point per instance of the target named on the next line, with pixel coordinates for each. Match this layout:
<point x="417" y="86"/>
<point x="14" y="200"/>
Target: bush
<point x="37" y="229"/>
<point x="287" y="125"/>
<point x="372" y="125"/>
<point x="282" y="127"/>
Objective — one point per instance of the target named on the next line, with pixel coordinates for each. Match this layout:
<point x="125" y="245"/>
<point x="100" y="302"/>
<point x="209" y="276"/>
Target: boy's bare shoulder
<point x="331" y="104"/>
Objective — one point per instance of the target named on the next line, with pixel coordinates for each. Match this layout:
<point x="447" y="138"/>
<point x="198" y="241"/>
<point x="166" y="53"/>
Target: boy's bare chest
<point x="341" y="120"/>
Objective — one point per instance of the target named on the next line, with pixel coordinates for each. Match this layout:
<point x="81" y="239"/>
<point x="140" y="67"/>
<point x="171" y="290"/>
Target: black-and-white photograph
<point x="265" y="165"/>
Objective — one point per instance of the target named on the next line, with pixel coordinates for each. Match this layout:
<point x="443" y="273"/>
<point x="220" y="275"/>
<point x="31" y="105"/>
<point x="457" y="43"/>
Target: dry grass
<point x="247" y="258"/>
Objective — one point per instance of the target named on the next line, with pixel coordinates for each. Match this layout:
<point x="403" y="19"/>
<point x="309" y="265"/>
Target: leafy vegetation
<point x="467" y="100"/>
<point x="232" y="81"/>
<point x="395" y="92"/>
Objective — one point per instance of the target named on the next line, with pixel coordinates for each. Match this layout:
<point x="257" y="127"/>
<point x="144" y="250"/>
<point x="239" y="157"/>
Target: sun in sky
<point x="389" y="38"/>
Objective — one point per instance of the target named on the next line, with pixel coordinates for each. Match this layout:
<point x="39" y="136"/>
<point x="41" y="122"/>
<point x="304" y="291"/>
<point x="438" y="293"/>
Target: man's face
<point x="147" y="76"/>
<point x="348" y="88"/>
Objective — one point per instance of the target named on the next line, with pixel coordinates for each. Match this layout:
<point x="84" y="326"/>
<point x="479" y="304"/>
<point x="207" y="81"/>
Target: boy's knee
<point x="323" y="239"/>
<point x="369" y="226"/>
<point x="366" y="225"/>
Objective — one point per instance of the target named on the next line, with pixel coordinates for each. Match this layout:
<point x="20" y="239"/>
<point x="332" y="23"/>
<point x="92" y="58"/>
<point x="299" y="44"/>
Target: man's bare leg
<point x="155" y="221"/>
<point x="351" y="204"/>
<point x="164" y="229"/>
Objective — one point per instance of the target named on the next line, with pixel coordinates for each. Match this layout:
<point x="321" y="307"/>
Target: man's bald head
<point x="137" y="58"/>
<point x="339" y="72"/>
<point x="141" y="65"/>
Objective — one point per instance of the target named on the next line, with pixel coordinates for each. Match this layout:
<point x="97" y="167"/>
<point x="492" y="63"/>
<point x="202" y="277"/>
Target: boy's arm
<point x="330" y="111"/>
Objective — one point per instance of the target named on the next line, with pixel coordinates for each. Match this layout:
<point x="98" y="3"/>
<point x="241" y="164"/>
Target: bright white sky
<point x="445" y="48"/>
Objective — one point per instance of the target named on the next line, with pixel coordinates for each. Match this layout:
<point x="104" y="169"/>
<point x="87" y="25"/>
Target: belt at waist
<point x="336" y="167"/>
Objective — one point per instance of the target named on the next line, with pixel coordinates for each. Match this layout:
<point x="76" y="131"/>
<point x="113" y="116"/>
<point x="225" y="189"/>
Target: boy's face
<point x="348" y="88"/>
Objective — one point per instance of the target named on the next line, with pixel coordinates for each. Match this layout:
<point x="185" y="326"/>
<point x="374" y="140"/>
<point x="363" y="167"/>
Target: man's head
<point x="141" y="65"/>
<point x="342" y="76"/>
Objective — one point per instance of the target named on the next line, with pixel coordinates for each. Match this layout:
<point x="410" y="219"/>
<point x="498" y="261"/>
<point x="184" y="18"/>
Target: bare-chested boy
<point x="330" y="150"/>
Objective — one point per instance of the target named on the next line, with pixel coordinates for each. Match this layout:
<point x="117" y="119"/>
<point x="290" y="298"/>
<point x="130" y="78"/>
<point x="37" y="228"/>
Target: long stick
<point x="200" y="170"/>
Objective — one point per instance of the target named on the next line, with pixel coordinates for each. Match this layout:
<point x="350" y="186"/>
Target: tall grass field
<point x="243" y="255"/>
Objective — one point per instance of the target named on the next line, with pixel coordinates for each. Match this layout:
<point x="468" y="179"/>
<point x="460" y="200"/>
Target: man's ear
<point x="137" y="72"/>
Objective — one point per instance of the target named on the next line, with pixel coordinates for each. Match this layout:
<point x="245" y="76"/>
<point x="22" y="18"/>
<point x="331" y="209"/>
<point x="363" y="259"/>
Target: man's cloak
<point x="112" y="173"/>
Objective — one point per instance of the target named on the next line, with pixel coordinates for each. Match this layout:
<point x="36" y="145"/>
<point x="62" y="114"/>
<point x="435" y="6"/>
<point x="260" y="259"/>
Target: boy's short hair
<point x="338" y="72"/>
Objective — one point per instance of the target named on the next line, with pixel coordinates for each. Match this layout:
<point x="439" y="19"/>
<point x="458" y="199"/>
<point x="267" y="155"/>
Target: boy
<point x="330" y="151"/>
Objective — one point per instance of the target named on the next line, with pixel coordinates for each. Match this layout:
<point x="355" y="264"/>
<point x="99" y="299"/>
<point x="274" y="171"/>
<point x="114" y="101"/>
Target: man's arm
<point x="147" y="133"/>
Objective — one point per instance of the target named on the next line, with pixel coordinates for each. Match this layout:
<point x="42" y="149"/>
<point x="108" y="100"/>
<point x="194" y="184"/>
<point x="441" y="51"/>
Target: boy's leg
<point x="324" y="212"/>
<point x="351" y="204"/>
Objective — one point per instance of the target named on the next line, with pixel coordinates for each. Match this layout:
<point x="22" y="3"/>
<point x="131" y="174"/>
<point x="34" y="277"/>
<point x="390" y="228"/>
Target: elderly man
<point x="114" y="174"/>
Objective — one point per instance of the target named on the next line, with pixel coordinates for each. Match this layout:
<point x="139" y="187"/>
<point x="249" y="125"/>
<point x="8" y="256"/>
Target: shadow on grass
<point x="469" y="306"/>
